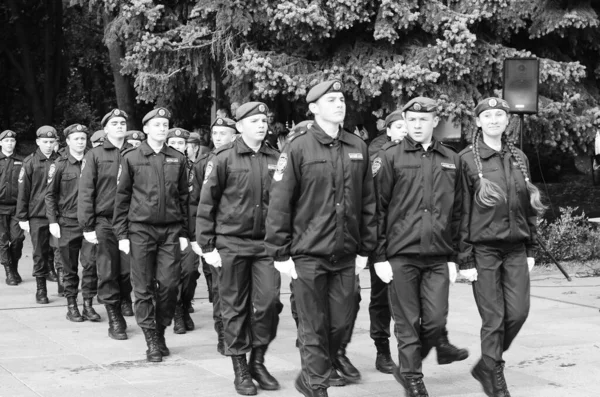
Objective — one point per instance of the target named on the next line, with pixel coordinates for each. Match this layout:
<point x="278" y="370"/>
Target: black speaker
<point x="520" y="87"/>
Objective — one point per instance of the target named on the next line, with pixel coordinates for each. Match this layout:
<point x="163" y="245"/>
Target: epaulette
<point x="28" y="157"/>
<point x="203" y="156"/>
<point x="444" y="144"/>
<point x="466" y="150"/>
<point x="295" y="135"/>
<point x="224" y="147"/>
<point x="128" y="150"/>
<point x="390" y="144"/>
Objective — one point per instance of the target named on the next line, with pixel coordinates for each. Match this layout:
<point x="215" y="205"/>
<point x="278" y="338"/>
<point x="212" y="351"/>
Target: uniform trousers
<point x="502" y="296"/>
<point x="190" y="263"/>
<point x="40" y="239"/>
<point x="113" y="266"/>
<point x="215" y="272"/>
<point x="379" y="307"/>
<point x="11" y="241"/>
<point x="70" y="247"/>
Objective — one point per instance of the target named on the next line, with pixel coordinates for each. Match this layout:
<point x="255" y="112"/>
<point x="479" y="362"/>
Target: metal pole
<point x="562" y="270"/>
<point x="521" y="133"/>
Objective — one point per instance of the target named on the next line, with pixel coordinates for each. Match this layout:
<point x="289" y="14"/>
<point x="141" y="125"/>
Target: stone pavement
<point x="557" y="353"/>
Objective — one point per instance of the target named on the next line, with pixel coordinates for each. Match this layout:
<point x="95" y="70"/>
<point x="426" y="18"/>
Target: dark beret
<point x="250" y="109"/>
<point x="46" y="131"/>
<point x="491" y="103"/>
<point x="224" y="122"/>
<point x="194" y="138"/>
<point x="98" y="136"/>
<point x="178" y="133"/>
<point x="394" y="116"/>
<point x="323" y="88"/>
<point x="135" y="135"/>
<point x="73" y="128"/>
<point x="156" y="113"/>
<point x="420" y="104"/>
<point x="112" y="114"/>
<point x="8" y="134"/>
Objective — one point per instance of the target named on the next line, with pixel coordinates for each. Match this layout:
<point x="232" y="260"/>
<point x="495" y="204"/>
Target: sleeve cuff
<point x="530" y="251"/>
<point x="207" y="248"/>
<point x="468" y="263"/>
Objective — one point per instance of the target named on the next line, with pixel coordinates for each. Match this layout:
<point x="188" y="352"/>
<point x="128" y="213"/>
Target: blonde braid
<point x="488" y="193"/>
<point x="534" y="193"/>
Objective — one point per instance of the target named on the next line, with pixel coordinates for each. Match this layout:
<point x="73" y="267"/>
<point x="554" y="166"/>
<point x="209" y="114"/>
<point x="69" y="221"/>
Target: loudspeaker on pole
<point x="520" y="85"/>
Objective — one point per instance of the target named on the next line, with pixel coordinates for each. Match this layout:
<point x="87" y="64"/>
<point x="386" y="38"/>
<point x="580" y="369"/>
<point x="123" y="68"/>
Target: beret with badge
<point x="157" y="113"/>
<point x="135" y="135"/>
<point x="98" y="136"/>
<point x="394" y="116"/>
<point x="178" y="133"/>
<point x="249" y="109"/>
<point x="420" y="104"/>
<point x="224" y="122"/>
<point x="194" y="138"/>
<point x="46" y="131"/>
<point x="7" y="134"/>
<point x="74" y="128"/>
<point x="323" y="88"/>
<point x="112" y="114"/>
<point x="491" y="103"/>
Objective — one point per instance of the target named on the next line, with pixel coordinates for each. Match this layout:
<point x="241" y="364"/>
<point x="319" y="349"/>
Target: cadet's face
<point x="77" y="141"/>
<point x="46" y="145"/>
<point x="116" y="127"/>
<point x="157" y="128"/>
<point x="8" y="144"/>
<point x="221" y="136"/>
<point x="420" y="125"/>
<point x="253" y="127"/>
<point x="177" y="144"/>
<point x="270" y="118"/>
<point x="191" y="149"/>
<point x="331" y="107"/>
<point x="134" y="142"/>
<point x="397" y="130"/>
<point x="493" y="122"/>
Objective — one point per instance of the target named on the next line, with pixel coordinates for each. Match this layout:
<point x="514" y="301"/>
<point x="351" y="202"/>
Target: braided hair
<point x="488" y="193"/>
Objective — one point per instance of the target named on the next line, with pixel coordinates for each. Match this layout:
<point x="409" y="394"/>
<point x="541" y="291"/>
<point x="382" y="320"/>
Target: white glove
<point x="125" y="246"/>
<point x="452" y="272"/>
<point x="384" y="271"/>
<point x="24" y="226"/>
<point x="360" y="263"/>
<point x="196" y="248"/>
<point x="183" y="243"/>
<point x="213" y="258"/>
<point x="469" y="274"/>
<point x="287" y="267"/>
<point x="55" y="230"/>
<point x="530" y="263"/>
<point x="90" y="237"/>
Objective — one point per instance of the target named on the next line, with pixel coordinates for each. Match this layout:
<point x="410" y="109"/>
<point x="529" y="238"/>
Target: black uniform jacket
<point x="322" y="198"/>
<point x="63" y="185"/>
<point x="98" y="184"/>
<point x="196" y="177"/>
<point x="151" y="188"/>
<point x="376" y="145"/>
<point x="511" y="221"/>
<point x="235" y="194"/>
<point x="419" y="200"/>
<point x="33" y="179"/>
<point x="10" y="167"/>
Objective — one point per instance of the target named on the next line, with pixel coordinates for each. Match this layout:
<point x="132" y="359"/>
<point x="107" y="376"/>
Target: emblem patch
<point x="135" y="135"/>
<point x="209" y="168"/>
<point x="417" y="106"/>
<point x="376" y="166"/>
<point x="161" y="112"/>
<point x="21" y="175"/>
<point x="261" y="108"/>
<point x="119" y="173"/>
<point x="51" y="173"/>
<point x="492" y="102"/>
<point x="79" y="128"/>
<point x="337" y="86"/>
<point x="355" y="156"/>
<point x="117" y="112"/>
<point x="49" y="133"/>
<point x="449" y="166"/>
<point x="219" y="121"/>
<point x="281" y="166"/>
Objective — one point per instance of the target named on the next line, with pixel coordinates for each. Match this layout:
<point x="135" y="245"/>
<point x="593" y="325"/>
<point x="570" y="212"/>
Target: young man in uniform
<point x="320" y="229"/>
<point x="31" y="207"/>
<point x="182" y="322"/>
<point x="95" y="205"/>
<point x="11" y="235"/>
<point x="135" y="138"/>
<point x="419" y="187"/>
<point x="230" y="229"/>
<point x="222" y="133"/>
<point x="61" y="210"/>
<point x="151" y="220"/>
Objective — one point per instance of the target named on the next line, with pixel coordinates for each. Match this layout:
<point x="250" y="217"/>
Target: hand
<point x="360" y="263"/>
<point x="55" y="230"/>
<point x="452" y="272"/>
<point x="213" y="258"/>
<point x="24" y="226"/>
<point x="384" y="271"/>
<point x="287" y="267"/>
<point x="469" y="274"/>
<point x="90" y="237"/>
<point x="530" y="263"/>
<point x="183" y="243"/>
<point x="125" y="246"/>
<point x="196" y="248"/>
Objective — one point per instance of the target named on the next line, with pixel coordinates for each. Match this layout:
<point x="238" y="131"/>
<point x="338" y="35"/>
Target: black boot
<point x="243" y="381"/>
<point x="187" y="319"/>
<point x="162" y="343"/>
<point x="447" y="353"/>
<point x="41" y="295"/>
<point x="17" y="275"/>
<point x="491" y="379"/>
<point x="60" y="279"/>
<point x="414" y="387"/>
<point x="115" y="328"/>
<point x="127" y="307"/>
<point x="307" y="391"/>
<point x="73" y="311"/>
<point x="335" y="379"/>
<point x="220" y="337"/>
<point x="120" y="317"/>
<point x="178" y="322"/>
<point x="209" y="286"/>
<point x="88" y="311"/>
<point x="153" y="354"/>
<point x="500" y="386"/>
<point x="345" y="367"/>
<point x="52" y="274"/>
<point x="384" y="362"/>
<point x="10" y="276"/>
<point x="259" y="372"/>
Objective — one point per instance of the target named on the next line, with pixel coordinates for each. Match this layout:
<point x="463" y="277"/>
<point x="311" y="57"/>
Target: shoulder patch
<point x="119" y="173"/>
<point x="376" y="165"/>
<point x="390" y="144"/>
<point x="295" y="135"/>
<point x="209" y="168"/>
<point x="281" y="166"/>
<point x="224" y="147"/>
<point x="51" y="173"/>
<point x="448" y="146"/>
<point x="21" y="175"/>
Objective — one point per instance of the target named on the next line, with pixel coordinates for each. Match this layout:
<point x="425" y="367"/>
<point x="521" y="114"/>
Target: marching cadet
<point x="418" y="183"/>
<point x="194" y="148"/>
<point x="230" y="229"/>
<point x="321" y="227"/>
<point x="61" y="210"/>
<point x="497" y="237"/>
<point x="97" y="138"/>
<point x="222" y="133"/>
<point x="95" y="204"/>
<point x="31" y="207"/>
<point x="151" y="221"/>
<point x="135" y="138"/>
<point x="11" y="235"/>
<point x="182" y="322"/>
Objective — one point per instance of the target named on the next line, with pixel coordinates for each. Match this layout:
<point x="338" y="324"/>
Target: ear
<point x="477" y="122"/>
<point x="388" y="131"/>
<point x="436" y="120"/>
<point x="314" y="109"/>
<point x="239" y="126"/>
<point x="145" y="129"/>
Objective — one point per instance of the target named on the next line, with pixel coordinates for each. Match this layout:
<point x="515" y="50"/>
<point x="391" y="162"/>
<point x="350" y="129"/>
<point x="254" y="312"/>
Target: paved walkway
<point x="557" y="353"/>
